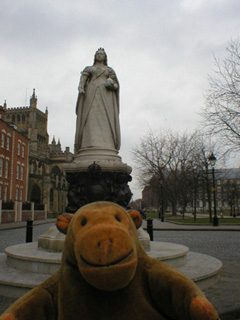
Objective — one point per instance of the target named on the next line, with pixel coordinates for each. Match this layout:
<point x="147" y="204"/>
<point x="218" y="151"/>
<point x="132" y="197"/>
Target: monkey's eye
<point x="84" y="222"/>
<point x="118" y="218"/>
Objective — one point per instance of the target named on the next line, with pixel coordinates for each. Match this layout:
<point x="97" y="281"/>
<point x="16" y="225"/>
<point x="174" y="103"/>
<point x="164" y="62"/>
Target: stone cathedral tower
<point x="46" y="183"/>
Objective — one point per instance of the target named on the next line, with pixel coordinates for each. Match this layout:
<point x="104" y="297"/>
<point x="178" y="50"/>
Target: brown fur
<point x="106" y="275"/>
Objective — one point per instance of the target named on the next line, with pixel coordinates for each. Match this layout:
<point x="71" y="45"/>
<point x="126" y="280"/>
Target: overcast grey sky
<point x="161" y="50"/>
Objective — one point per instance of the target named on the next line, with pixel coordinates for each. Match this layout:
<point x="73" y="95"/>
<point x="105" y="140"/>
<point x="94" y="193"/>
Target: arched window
<point x="51" y="199"/>
<point x="23" y="118"/>
<point x="55" y="171"/>
<point x="35" y="167"/>
<point x="56" y="176"/>
<point x="18" y="118"/>
<point x="13" y="118"/>
<point x="35" y="195"/>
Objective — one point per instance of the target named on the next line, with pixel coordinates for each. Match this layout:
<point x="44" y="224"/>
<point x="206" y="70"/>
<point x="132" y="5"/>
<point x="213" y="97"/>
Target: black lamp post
<point x="162" y="213"/>
<point x="233" y="200"/>
<point x="212" y="159"/>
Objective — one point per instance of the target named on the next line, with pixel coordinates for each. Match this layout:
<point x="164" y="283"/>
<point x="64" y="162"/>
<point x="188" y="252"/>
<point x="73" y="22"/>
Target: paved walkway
<point x="229" y="314"/>
<point x="23" y="224"/>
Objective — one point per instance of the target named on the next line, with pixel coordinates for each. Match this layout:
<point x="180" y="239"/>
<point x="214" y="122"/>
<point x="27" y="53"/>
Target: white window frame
<point x="17" y="192"/>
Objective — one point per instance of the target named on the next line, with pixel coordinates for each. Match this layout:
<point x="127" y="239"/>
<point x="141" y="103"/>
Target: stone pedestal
<point x="52" y="240"/>
<point x="97" y="174"/>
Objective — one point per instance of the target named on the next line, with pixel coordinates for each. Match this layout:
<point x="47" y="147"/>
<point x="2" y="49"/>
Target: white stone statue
<point x="98" y="106"/>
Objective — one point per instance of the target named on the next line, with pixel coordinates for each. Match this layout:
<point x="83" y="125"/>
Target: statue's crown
<point x="100" y="49"/>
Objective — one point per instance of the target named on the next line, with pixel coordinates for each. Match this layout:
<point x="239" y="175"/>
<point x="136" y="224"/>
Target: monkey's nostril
<point x="111" y="241"/>
<point x="99" y="244"/>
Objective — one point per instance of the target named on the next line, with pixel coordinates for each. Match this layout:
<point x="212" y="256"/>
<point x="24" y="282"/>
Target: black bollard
<point x="29" y="230"/>
<point x="215" y="221"/>
<point x="150" y="228"/>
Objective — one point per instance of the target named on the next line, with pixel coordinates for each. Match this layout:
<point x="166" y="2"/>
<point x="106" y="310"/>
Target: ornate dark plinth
<point x="97" y="185"/>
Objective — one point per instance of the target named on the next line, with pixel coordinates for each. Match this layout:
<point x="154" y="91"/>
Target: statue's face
<point x="100" y="55"/>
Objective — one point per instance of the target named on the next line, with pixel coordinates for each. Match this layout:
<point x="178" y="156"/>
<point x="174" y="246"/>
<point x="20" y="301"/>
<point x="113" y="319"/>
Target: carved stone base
<point x="97" y="185"/>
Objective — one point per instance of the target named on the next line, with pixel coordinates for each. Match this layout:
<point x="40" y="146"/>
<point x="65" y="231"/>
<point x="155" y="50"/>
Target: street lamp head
<point x="212" y="160"/>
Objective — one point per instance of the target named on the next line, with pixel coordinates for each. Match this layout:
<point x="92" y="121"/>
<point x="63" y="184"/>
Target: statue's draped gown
<point x="98" y="111"/>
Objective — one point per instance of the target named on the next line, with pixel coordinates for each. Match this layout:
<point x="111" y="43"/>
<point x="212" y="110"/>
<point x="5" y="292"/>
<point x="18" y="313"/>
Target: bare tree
<point x="167" y="157"/>
<point x="221" y="114"/>
<point x="179" y="164"/>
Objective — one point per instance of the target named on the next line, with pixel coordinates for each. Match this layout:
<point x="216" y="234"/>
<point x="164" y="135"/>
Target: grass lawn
<point x="222" y="221"/>
<point x="190" y="219"/>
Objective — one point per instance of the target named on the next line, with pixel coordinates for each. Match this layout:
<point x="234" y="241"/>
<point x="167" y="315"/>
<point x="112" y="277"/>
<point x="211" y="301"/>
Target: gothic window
<point x="35" y="167"/>
<point x="55" y="172"/>
<point x="51" y="198"/>
<point x="18" y="118"/>
<point x="56" y="176"/>
<point x="13" y="118"/>
<point x="23" y="118"/>
<point x="35" y="195"/>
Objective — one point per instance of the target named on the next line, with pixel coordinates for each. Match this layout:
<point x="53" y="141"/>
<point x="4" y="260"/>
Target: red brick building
<point x="13" y="161"/>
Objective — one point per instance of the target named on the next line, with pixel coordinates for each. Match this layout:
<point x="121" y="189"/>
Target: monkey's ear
<point x="63" y="221"/>
<point x="137" y="218"/>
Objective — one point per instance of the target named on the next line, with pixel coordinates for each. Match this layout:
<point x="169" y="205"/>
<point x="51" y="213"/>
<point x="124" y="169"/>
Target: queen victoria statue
<point x="97" y="171"/>
<point x="98" y="106"/>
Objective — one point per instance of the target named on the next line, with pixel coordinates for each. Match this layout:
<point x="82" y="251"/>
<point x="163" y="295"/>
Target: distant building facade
<point x="150" y="198"/>
<point x="227" y="193"/>
<point x="13" y="161"/>
<point x="46" y="178"/>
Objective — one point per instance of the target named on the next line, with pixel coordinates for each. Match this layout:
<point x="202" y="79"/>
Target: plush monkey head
<point x="102" y="241"/>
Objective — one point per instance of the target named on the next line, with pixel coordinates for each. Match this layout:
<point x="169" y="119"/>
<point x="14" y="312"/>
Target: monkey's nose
<point x="105" y="246"/>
